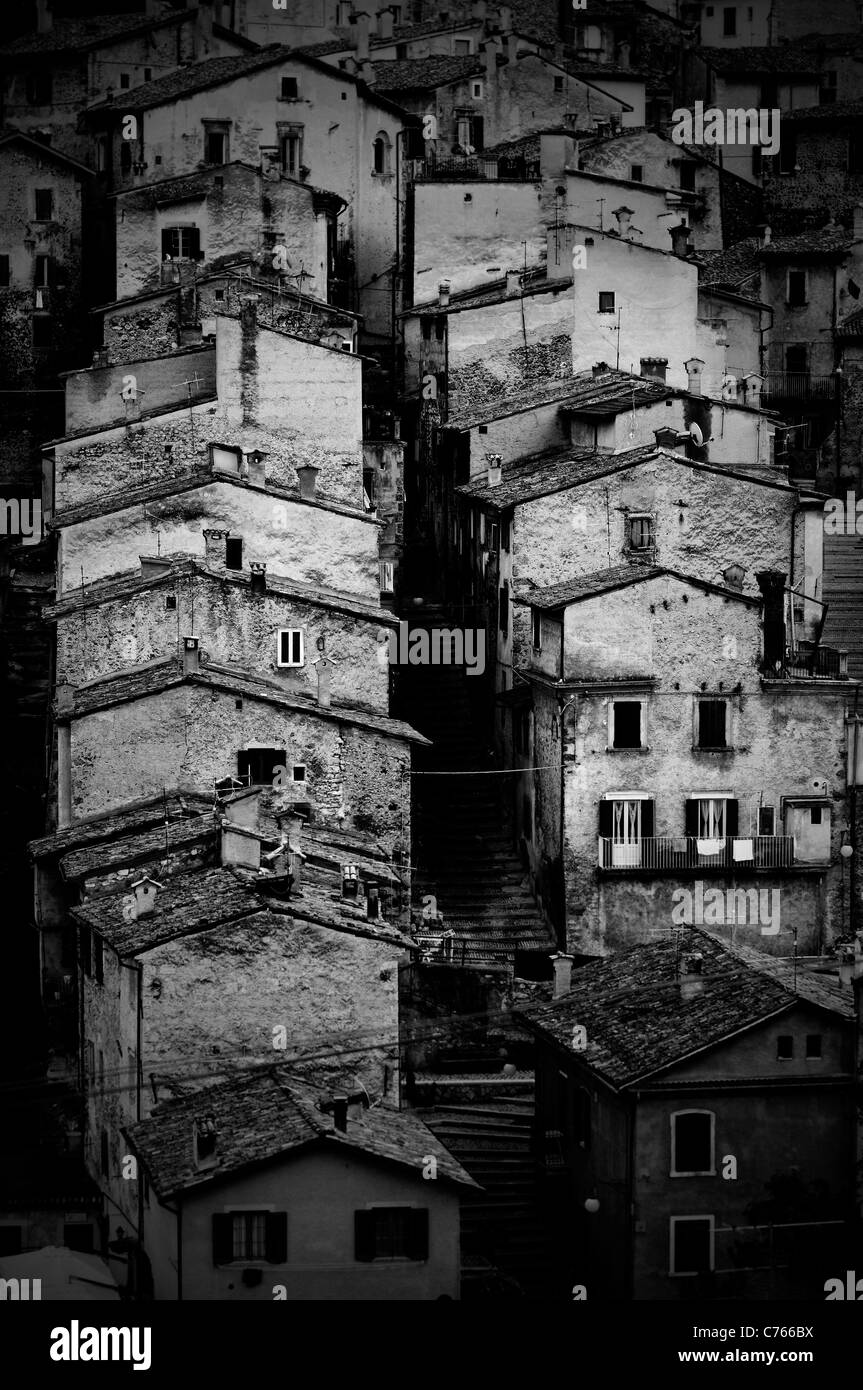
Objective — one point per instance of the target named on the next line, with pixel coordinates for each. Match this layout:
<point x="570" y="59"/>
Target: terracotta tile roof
<point x="265" y="1115"/>
<point x="830" y="241"/>
<point x="165" y="674"/>
<point x="737" y="267"/>
<point x="586" y="586"/>
<point x="79" y="35"/>
<point x="124" y="586"/>
<point x="636" y="1021"/>
<point x="184" y="903"/>
<point x="608" y="394"/>
<point x="121" y="820"/>
<point x="412" y="74"/>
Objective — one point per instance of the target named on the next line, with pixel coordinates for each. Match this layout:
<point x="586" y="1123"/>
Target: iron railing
<point x="807" y="660"/>
<point x="672" y="852"/>
<point x="472" y="167"/>
<point x="798" y="386"/>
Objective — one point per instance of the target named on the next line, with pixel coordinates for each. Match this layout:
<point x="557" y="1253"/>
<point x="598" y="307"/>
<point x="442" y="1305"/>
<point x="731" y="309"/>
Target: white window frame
<point x="711" y="832"/>
<point x="295" y="768"/>
<point x="387" y="576"/>
<point x="672" y="1223"/>
<point x="611" y="724"/>
<point x="294" y="632"/>
<point x="692" y="1172"/>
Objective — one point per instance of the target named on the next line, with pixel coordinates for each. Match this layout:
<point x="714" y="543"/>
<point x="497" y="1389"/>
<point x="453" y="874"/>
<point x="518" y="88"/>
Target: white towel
<point x="742" y="849"/>
<point x="709" y="846"/>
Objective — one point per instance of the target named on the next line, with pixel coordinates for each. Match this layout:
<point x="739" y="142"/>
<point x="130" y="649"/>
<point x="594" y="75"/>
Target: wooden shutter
<point x="418" y="1234"/>
<point x="691" y="824"/>
<point x="606" y="819"/>
<point x="276" y="1240"/>
<point x="223" y="1238"/>
<point x="364" y="1235"/>
<point x="731" y="817"/>
<point x="647" y="819"/>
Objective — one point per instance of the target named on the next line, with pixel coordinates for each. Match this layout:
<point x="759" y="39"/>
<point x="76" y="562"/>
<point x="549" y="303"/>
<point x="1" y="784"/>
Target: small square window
<point x="606" y="302"/>
<point x="558" y="84"/>
<point x="476" y="91"/>
<point x="636" y="173"/>
<point x="219" y="296"/>
<point x="289" y="89"/>
<point x="640" y="533"/>
<point x="238" y="704"/>
<point x="483" y="429"/>
<point x="298" y="772"/>
<point x="687" y="176"/>
<point x="784" y="1047"/>
<point x="148" y="74"/>
<point x="171" y="603"/>
<point x="44" y="204"/>
<point x="813" y="1045"/>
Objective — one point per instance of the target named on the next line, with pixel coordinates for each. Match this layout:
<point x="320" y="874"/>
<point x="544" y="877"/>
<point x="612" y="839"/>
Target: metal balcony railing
<point x="798" y="386"/>
<point x="808" y="660"/>
<point x="472" y="167"/>
<point x="672" y="852"/>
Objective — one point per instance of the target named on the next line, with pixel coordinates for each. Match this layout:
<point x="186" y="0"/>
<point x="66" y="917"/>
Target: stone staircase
<point x="843" y="591"/>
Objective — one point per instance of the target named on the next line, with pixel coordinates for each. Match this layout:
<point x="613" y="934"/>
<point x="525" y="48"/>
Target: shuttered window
<point x="250" y="1235"/>
<point x="391" y="1233"/>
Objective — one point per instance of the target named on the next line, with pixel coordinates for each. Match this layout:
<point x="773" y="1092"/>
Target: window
<point x="626" y="724"/>
<point x="104" y="1160"/>
<point x="391" y="1233"/>
<point x="44" y="204"/>
<point x="291" y="647"/>
<point x="256" y="767"/>
<point x="813" y="1045"/>
<point x="504" y="608"/>
<point x="387" y="577"/>
<point x="796" y="359"/>
<point x="4" y="271"/>
<point x="124" y="81"/>
<point x="219" y="296"/>
<point x="766" y="820"/>
<point x="536" y="629"/>
<point x="344" y="10"/>
<point x="78" y="1235"/>
<point x="39" y="89"/>
<point x="369" y="490"/>
<point x="42" y="271"/>
<point x="757" y="162"/>
<point x="691" y="1244"/>
<point x="558" y="84"/>
<point x="815" y="815"/>
<point x="729" y="21"/>
<point x="639" y="532"/>
<point x="298" y="772"/>
<point x="711" y="817"/>
<point x="692" y="1142"/>
<point x="624" y="821"/>
<point x="827" y="90"/>
<point x="795" y="290"/>
<point x="711" y="724"/>
<point x="381" y="154"/>
<point x="687" y="175"/>
<point x="233" y="553"/>
<point x="181" y="243"/>
<point x="636" y="173"/>
<point x="788" y="151"/>
<point x="43" y="331"/>
<point x="289" y="91"/>
<point x="606" y="302"/>
<point x="171" y="602"/>
<point x="10" y="1240"/>
<point x="98" y="959"/>
<point x="784" y="1047"/>
<point x="461" y="46"/>
<point x="148" y="74"/>
<point x="476" y="91"/>
<point x="215" y="146"/>
<point x="250" y="1235"/>
<point x="291" y="146"/>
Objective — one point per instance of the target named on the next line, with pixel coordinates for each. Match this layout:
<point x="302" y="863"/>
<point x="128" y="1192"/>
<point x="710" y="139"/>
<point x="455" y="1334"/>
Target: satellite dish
<point x="695" y="434"/>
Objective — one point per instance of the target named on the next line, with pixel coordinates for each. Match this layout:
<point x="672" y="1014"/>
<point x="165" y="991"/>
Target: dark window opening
<point x="4" y="271"/>
<point x="797" y="359"/>
<point x="42" y="271"/>
<point x="369" y="489"/>
<point x="757" y="162"/>
<point x="40" y="89"/>
<point x="214" y="147"/>
<point x="536" y="629"/>
<point x="44" y="204"/>
<point x="558" y="84"/>
<point x="148" y="74"/>
<point x="636" y="173"/>
<point x="788" y="151"/>
<point x="640" y="532"/>
<point x="171" y="602"/>
<point x="784" y="1047"/>
<point x="606" y="302"/>
<point x="291" y="646"/>
<point x="181" y="243"/>
<point x="256" y="767"/>
<point x="124" y="81"/>
<point x="687" y="176"/>
<point x="292" y="154"/>
<point x="78" y="1235"/>
<point x="813" y="1044"/>
<point x="711" y="724"/>
<point x="815" y="815"/>
<point x="250" y="1235"/>
<point x="43" y="331"/>
<point x="233" y="553"/>
<point x="692" y="1143"/>
<point x="729" y="22"/>
<point x="766" y="820"/>
<point x="627" y="724"/>
<point x="690" y="1245"/>
<point x="391" y="1233"/>
<point x="125" y="157"/>
<point x="289" y="89"/>
<point x="796" y="287"/>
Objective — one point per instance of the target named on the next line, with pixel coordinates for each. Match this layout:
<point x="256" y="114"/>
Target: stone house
<point x="825" y="178"/>
<point x="694" y="1119"/>
<point x="233" y="1179"/>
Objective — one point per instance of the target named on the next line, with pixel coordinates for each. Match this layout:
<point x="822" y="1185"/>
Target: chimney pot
<point x="654" y="367"/>
<point x="443" y="293"/>
<point x="562" y="964"/>
<point x="385" y="24"/>
<point x="308" y="475"/>
<point x="259" y="577"/>
<point x="145" y="896"/>
<point x="494" y="469"/>
<point x="679" y="239"/>
<point x="256" y="466"/>
<point x="694" y="367"/>
<point x="191" y="654"/>
<point x="691" y="975"/>
<point x="214" y="549"/>
<point x="362" y="49"/>
<point x="513" y="283"/>
<point x="324" y="672"/>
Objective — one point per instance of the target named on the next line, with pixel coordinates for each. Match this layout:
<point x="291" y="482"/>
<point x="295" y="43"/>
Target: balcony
<point x="807" y="661"/>
<point x="677" y="854"/>
<point x="797" y="386"/>
<point x="473" y="167"/>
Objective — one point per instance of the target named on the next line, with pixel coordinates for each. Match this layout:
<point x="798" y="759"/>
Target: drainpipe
<point x="562" y="708"/>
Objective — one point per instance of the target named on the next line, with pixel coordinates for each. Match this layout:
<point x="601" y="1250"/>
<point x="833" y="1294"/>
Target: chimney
<point x="249" y="312"/>
<point x="479" y="10"/>
<point x="490" y="51"/>
<point x="206" y="1139"/>
<point x="324" y="671"/>
<point x="858" y="221"/>
<point x="623" y="51"/>
<point x="259" y="577"/>
<point x="511" y="48"/>
<point x="679" y="239"/>
<point x="599" y="369"/>
<point x="308" y="476"/>
<point x="752" y="384"/>
<point x="385" y="24"/>
<point x="366" y="73"/>
<point x="255" y="465"/>
<point x="847" y="966"/>
<point x="191" y="655"/>
<point x="562" y="973"/>
<point x="240" y="845"/>
<point x="764" y="234"/>
<point x="214" y="549"/>
<point x="654" y="367"/>
<point x="494" y="469"/>
<point x="624" y="217"/>
<point x="340" y="1113"/>
<point x="513" y="284"/>
<point x="772" y="586"/>
<point x="443" y="294"/>
<point x="204" y="38"/>
<point x="44" y="19"/>
<point x="362" y="50"/>
<point x="145" y="890"/>
<point x="694" y="366"/>
<point x="691" y="974"/>
<point x="504" y="19"/>
<point x="666" y="437"/>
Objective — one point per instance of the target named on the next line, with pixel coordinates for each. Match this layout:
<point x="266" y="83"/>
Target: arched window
<point x="692" y="1142"/>
<point x="381" y="149"/>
